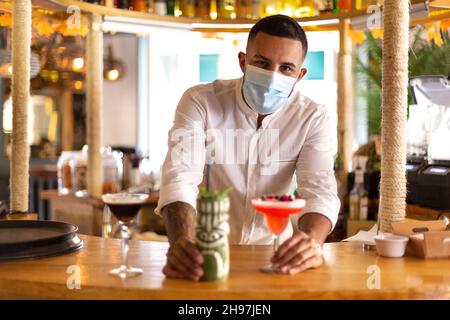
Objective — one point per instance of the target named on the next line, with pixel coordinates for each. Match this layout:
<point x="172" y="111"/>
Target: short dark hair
<point x="281" y="26"/>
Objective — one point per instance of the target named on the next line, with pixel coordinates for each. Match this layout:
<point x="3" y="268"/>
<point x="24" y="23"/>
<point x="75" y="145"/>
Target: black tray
<point x="37" y="239"/>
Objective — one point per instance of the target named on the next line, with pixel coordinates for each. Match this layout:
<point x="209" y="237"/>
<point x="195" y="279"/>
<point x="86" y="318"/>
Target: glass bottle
<point x="359" y="199"/>
<point x="138" y="5"/>
<point x="123" y="4"/>
<point x="364" y="4"/>
<point x="78" y="166"/>
<point x="326" y="6"/>
<point x="305" y="8"/>
<point x="226" y="9"/>
<point x="150" y="6"/>
<point x="160" y="7"/>
<point x="243" y="9"/>
<point x="187" y="8"/>
<point x="344" y="5"/>
<point x="255" y="9"/>
<point x="170" y="7"/>
<point x="65" y="183"/>
<point x="202" y="9"/>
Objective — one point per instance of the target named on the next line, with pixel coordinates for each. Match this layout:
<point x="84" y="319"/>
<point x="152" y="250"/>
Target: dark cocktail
<point x="125" y="207"/>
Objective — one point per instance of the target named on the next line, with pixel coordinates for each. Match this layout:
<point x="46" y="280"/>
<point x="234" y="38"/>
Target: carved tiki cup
<point x="211" y="235"/>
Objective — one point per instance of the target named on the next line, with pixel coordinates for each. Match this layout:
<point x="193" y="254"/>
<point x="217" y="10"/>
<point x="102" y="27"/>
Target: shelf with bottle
<point x="225" y="15"/>
<point x="231" y="9"/>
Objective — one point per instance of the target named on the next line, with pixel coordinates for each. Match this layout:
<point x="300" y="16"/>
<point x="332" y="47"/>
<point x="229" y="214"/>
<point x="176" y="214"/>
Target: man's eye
<point x="262" y="63"/>
<point x="286" y="69"/>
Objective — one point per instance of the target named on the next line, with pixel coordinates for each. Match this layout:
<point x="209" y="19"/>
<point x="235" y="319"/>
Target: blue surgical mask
<point x="266" y="91"/>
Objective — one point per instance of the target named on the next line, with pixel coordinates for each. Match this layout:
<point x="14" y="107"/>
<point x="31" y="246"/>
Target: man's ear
<point x="303" y="72"/>
<point x="241" y="57"/>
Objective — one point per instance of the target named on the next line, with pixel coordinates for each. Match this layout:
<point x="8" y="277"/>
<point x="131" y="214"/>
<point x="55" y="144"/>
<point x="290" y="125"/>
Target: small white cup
<point x="391" y="246"/>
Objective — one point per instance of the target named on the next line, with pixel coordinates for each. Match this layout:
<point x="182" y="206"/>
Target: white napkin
<point x="366" y="237"/>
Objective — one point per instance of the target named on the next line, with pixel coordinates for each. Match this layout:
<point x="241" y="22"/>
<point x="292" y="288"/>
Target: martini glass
<point x="125" y="207"/>
<point x="276" y="215"/>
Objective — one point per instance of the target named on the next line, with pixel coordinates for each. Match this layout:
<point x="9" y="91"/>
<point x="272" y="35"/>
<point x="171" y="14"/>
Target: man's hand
<point x="184" y="261"/>
<point x="303" y="250"/>
<point x="297" y="254"/>
<point x="183" y="258"/>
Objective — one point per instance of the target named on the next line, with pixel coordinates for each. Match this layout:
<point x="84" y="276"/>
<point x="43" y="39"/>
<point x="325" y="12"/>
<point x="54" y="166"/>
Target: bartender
<point x="279" y="135"/>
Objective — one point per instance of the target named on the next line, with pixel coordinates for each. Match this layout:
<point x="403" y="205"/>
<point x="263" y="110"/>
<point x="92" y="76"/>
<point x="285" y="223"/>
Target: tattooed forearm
<point x="179" y="219"/>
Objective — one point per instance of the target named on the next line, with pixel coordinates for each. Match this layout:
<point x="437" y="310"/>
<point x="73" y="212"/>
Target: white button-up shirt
<point x="213" y="124"/>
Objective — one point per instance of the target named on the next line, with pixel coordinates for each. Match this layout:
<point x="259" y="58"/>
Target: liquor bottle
<point x="326" y="6"/>
<point x="359" y="197"/>
<point x="151" y="6"/>
<point x="109" y="3"/>
<point x="344" y="5"/>
<point x="123" y="4"/>
<point x="255" y="9"/>
<point x="138" y="5"/>
<point x="364" y="4"/>
<point x="211" y="236"/>
<point x="187" y="8"/>
<point x="202" y="9"/>
<point x="306" y="9"/>
<point x="170" y="5"/>
<point x="243" y="10"/>
<point x="160" y="7"/>
<point x="226" y="9"/>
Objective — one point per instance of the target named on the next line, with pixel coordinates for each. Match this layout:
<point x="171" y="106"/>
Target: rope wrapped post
<point x="394" y="112"/>
<point x="94" y="92"/>
<point x="345" y="100"/>
<point x="21" y="52"/>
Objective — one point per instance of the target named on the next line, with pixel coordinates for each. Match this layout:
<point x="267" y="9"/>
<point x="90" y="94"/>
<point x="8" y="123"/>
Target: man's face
<point x="276" y="54"/>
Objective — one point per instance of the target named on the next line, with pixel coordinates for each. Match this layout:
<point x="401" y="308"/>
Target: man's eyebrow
<point x="261" y="57"/>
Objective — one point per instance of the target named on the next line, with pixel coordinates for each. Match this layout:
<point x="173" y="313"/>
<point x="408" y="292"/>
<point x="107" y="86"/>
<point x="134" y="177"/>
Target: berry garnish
<point x="271" y="197"/>
<point x="290" y="197"/>
<point x="284" y="197"/>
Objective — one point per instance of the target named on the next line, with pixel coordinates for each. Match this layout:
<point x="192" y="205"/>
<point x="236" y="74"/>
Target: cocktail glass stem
<point x="125" y="235"/>
<point x="276" y="240"/>
<point x="125" y="270"/>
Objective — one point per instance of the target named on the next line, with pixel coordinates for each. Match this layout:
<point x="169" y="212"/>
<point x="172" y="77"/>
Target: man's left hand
<point x="297" y="254"/>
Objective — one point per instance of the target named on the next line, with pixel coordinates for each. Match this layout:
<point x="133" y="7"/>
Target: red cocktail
<point x="276" y="211"/>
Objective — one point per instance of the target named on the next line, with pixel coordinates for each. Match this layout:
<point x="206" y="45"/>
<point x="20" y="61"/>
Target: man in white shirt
<point x="255" y="133"/>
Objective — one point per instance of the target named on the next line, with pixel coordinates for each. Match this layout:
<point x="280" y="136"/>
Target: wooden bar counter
<point x="345" y="275"/>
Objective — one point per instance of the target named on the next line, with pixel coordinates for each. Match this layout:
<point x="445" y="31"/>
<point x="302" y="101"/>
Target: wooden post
<point x="345" y="102"/>
<point x="394" y="110"/>
<point x="20" y="155"/>
<point x="67" y="120"/>
<point x="94" y="92"/>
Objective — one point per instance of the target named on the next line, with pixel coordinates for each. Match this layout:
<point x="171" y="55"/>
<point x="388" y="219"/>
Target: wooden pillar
<point x="345" y="102"/>
<point x="21" y="44"/>
<point x="94" y="92"/>
<point x="394" y="111"/>
<point x="67" y="120"/>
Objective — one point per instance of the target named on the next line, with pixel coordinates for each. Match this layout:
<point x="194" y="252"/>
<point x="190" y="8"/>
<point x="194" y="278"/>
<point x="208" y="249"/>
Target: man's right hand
<point x="184" y="261"/>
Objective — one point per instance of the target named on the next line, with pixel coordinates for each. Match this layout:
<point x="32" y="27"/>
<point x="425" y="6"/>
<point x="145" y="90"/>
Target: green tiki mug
<point x="211" y="236"/>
